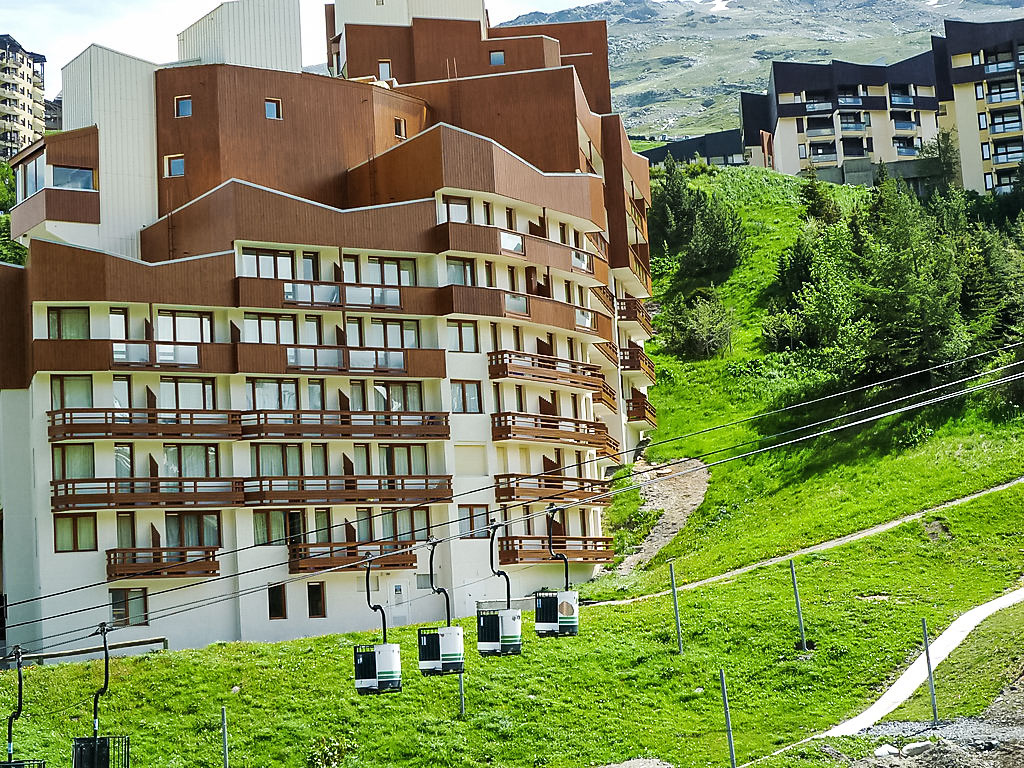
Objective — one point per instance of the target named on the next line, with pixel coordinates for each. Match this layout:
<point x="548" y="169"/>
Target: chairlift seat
<point x="442" y="651"/>
<point x="378" y="668"/>
<point x="558" y="613"/>
<point x="499" y="632"/>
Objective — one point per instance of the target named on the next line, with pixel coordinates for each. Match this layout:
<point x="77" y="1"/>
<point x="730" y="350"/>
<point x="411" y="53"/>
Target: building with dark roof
<point x="720" y="148"/>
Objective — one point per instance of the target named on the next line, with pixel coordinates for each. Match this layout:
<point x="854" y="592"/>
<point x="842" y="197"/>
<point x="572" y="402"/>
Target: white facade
<point x="265" y="34"/>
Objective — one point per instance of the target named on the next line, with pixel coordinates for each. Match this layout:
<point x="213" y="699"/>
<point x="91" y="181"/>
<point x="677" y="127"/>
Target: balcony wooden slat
<point x="513" y="550"/>
<point x="162" y="562"/>
<point x="406" y="425"/>
<point x="132" y="492"/>
<point x="558" y="429"/>
<point x="546" y="369"/>
<point x="634" y="360"/>
<point x="311" y="558"/>
<point x="522" y="487"/>
<point x="347" y="489"/>
<point x="143" y="423"/>
<point x="633" y="311"/>
<point x="639" y="409"/>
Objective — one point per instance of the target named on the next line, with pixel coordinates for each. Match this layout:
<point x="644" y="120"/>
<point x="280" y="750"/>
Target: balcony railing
<point x="634" y="311"/>
<point x="130" y="492"/>
<point x="634" y="213"/>
<point x="634" y="360"/>
<point x="347" y="489"/>
<point x="543" y="368"/>
<point x="829" y="157"/>
<point x="604" y="296"/>
<point x="534" y="549"/>
<point x="606" y="397"/>
<point x="901" y="98"/>
<point x="143" y="423"/>
<point x="558" y="488"/>
<point x="405" y="425"/>
<point x="609" y="351"/>
<point x="155" y="354"/>
<point x="310" y="558"/>
<point x="999" y="66"/>
<point x="1001" y="158"/>
<point x="853" y="127"/>
<point x="850" y="101"/>
<point x="421" y="363"/>
<point x="998" y="97"/>
<point x="319" y="294"/>
<point x="638" y="268"/>
<point x="830" y="131"/>
<point x="162" y="563"/>
<point x="1005" y="127"/>
<point x="907" y="151"/>
<point x="819" y="106"/>
<point x="639" y="409"/>
<point x="535" y="427"/>
<point x="904" y="125"/>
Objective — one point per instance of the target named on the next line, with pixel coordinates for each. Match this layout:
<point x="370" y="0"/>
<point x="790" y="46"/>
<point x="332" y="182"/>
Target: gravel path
<point x="676" y="496"/>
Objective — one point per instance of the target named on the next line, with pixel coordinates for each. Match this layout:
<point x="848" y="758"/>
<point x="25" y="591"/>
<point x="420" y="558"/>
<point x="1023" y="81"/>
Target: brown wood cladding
<point x="81" y="206"/>
<point x="228" y="135"/>
<point x="16" y="329"/>
<point x="79" y="148"/>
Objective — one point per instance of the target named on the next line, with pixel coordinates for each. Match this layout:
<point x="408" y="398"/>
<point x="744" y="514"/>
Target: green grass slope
<point x="617" y="691"/>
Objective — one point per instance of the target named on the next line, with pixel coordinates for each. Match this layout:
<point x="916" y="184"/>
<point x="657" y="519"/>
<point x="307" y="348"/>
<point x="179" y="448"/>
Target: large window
<point x="397" y="396"/>
<point x="269" y="329"/>
<point x="272" y="394"/>
<point x="190" y="460"/>
<point x="461" y="272"/>
<point x="128" y="607"/>
<point x="405" y="524"/>
<point x="275" y="265"/>
<point x="70" y="392"/>
<point x="457" y="210"/>
<point x="462" y="336"/>
<point x="473" y="520"/>
<point x="466" y="397"/>
<point x="187" y="394"/>
<point x="192" y="529"/>
<point x="33" y="176"/>
<point x="403" y="460"/>
<point x="273" y="527"/>
<point x="276" y="460"/>
<point x="72" y="178"/>
<point x="68" y="322"/>
<point x="74" y="533"/>
<point x="394" y="334"/>
<point x="390" y="271"/>
<point x="182" y="326"/>
<point x="73" y="462"/>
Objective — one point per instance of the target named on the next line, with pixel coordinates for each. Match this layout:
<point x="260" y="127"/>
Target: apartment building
<point x="842" y="119"/>
<point x="273" y="322"/>
<point x="979" y="88"/>
<point x="21" y="97"/>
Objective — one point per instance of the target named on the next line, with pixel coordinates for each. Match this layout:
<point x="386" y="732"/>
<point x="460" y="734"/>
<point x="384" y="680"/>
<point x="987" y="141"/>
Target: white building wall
<point x="402" y="12"/>
<point x="117" y="93"/>
<point x="249" y="33"/>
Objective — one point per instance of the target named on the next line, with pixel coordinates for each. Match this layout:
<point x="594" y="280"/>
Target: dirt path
<point x="822" y="547"/>
<point x="677" y="496"/>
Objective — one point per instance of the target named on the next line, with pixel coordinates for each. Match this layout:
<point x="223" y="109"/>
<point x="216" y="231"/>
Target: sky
<point x="61" y="29"/>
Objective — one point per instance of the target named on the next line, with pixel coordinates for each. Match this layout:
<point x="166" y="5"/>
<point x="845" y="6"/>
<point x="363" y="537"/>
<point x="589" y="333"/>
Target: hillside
<point x="678" y="65"/>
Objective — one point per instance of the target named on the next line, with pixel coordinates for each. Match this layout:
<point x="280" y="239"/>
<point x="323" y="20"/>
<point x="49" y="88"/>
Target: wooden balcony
<point x="347" y="489"/>
<point x="605" y="296"/>
<point x="634" y="361"/>
<point x="55" y="204"/>
<point x="513" y="550"/>
<point x="420" y="425"/>
<point x="558" y="488"/>
<point x="155" y="423"/>
<point x="606" y="397"/>
<point x="105" y="355"/>
<point x="609" y="352"/>
<point x="536" y="428"/>
<point x="162" y="563"/>
<point x="310" y="558"/>
<point x="142" y="492"/>
<point x="546" y="369"/>
<point x="632" y="313"/>
<point x="271" y="358"/>
<point x="640" y="410"/>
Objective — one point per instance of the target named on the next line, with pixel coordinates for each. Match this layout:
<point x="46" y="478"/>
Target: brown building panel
<point x="14" y="320"/>
<point x="51" y="204"/>
<point x="228" y="135"/>
<point x="77" y="149"/>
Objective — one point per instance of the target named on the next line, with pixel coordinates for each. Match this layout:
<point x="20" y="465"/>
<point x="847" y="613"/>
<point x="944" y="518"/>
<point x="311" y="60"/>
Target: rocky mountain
<point x="678" y="65"/>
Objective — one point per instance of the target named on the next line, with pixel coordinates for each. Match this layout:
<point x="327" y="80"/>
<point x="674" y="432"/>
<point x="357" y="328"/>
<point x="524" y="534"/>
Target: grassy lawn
<point x="617" y="691"/>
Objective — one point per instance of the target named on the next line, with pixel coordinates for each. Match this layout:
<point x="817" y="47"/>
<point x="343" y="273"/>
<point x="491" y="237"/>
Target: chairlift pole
<point x="551" y="548"/>
<point x="496" y="572"/>
<point x="373" y="607"/>
<point x="16" y="713"/>
<point x="103" y="629"/>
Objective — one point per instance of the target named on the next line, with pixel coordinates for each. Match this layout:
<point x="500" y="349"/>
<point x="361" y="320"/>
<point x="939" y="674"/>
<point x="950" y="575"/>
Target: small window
<point x="128" y="607"/>
<point x="986" y="151"/>
<point x="979" y="91"/>
<point x="174" y="165"/>
<point x="183" y="106"/>
<point x="316" y="599"/>
<point x="461" y="271"/>
<point x="975" y="59"/>
<point x="457" y="210"/>
<point x="488" y="214"/>
<point x="67" y="322"/>
<point x="384" y="69"/>
<point x="982" y="121"/>
<point x="497" y="58"/>
<point x="74" y="533"/>
<point x="466" y="397"/>
<point x="276" y="602"/>
<point x="72" y="178"/>
<point x="473" y="521"/>
<point x="989" y="184"/>
<point x="400" y="128"/>
<point x="272" y="109"/>
<point x="803" y="151"/>
<point x="510" y="219"/>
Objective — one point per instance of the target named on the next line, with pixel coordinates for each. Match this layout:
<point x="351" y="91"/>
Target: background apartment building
<point x="274" y="322"/>
<point x="979" y="85"/>
<point x="843" y="119"/>
<point x="22" y="118"/>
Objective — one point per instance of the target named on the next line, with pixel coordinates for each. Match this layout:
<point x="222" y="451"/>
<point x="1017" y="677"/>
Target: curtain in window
<point x="78" y="392"/>
<point x="211" y="530"/>
<point x="125" y="531"/>
<point x="404" y="524"/>
<point x="79" y="461"/>
<point x="323" y="525"/>
<point x="420" y="525"/>
<point x="259" y="525"/>
<point x="75" y="323"/>
<point x="65" y="534"/>
<point x="136" y="607"/>
<point x="363" y="525"/>
<point x="387" y="525"/>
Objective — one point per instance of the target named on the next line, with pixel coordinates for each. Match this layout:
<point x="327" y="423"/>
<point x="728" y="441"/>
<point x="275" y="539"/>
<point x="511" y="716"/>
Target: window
<point x="473" y="520"/>
<point x="72" y="178"/>
<point x="979" y="91"/>
<point x="982" y="121"/>
<point x="489" y="274"/>
<point x="174" y="165"/>
<point x="278" y="526"/>
<point x="461" y="271"/>
<point x="400" y="128"/>
<point x="384" y="69"/>
<point x="462" y="336"/>
<point x="350" y="269"/>
<point x="68" y="322"/>
<point x="180" y="326"/>
<point x="126" y="530"/>
<point x="268" y="329"/>
<point x="466" y="397"/>
<point x="803" y="151"/>
<point x="278" y="608"/>
<point x="70" y="392"/>
<point x="128" y="607"/>
<point x="488" y="214"/>
<point x="33" y="176"/>
<point x="315" y="392"/>
<point x="394" y="334"/>
<point x="275" y="265"/>
<point x="309" y="266"/>
<point x="403" y="460"/>
<point x="316" y="599"/>
<point x="192" y="529"/>
<point x="322" y="526"/>
<point x="74" y="462"/>
<point x="276" y="459"/>
<point x="986" y="151"/>
<point x="395" y="397"/>
<point x="190" y="460"/>
<point x="497" y="58"/>
<point x="272" y="394"/>
<point x="390" y="271"/>
<point x="405" y="524"/>
<point x="272" y="109"/>
<point x="74" y="533"/>
<point x="510" y="219"/>
<point x="989" y="184"/>
<point x="187" y="394"/>
<point x="457" y="209"/>
<point x="183" y="106"/>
